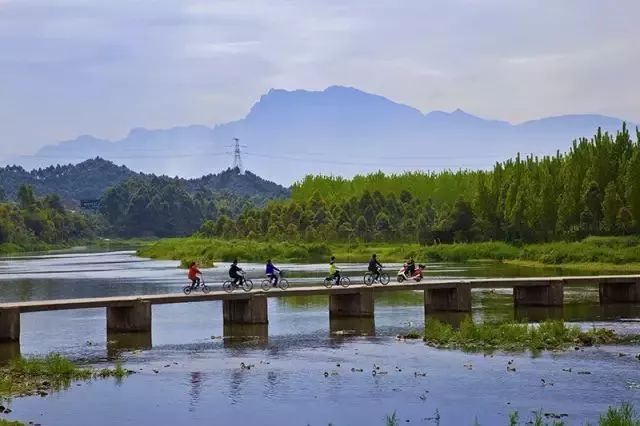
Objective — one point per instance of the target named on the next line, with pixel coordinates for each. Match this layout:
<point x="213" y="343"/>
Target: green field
<point x="595" y="253"/>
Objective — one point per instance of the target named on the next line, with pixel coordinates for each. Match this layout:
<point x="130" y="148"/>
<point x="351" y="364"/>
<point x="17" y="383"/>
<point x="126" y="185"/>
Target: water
<point x="199" y="378"/>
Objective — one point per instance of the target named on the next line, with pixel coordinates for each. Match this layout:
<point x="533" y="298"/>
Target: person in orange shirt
<point x="193" y="274"/>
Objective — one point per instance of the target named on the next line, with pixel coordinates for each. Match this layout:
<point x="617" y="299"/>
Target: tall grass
<point x="625" y="415"/>
<point x="513" y="336"/>
<point x="601" y="250"/>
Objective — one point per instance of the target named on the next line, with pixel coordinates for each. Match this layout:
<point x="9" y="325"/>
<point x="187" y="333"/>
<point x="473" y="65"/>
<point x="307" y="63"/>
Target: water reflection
<point x="195" y="381"/>
<point x="245" y="336"/>
<point x="124" y="342"/>
<point x="538" y="313"/>
<point x="9" y="351"/>
<point x="357" y="326"/>
<point x="452" y="318"/>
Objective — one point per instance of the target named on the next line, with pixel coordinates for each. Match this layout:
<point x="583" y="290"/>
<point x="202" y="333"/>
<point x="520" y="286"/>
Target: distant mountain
<point x="89" y="180"/>
<point x="339" y="130"/>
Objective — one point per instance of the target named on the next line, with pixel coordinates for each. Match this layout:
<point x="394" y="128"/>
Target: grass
<point x="603" y="250"/>
<point x="623" y="415"/>
<point x="593" y="253"/>
<point x="207" y="251"/>
<point x="513" y="336"/>
<point x="4" y="422"/>
<point x="41" y="375"/>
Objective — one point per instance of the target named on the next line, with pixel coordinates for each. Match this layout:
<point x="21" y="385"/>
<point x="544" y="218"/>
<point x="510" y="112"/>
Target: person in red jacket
<point x="193" y="274"/>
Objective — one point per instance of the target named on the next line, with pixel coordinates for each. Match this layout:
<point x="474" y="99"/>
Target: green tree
<point x="611" y="205"/>
<point x="26" y="197"/>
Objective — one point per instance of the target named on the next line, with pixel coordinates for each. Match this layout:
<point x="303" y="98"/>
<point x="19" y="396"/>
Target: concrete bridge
<point x="127" y="314"/>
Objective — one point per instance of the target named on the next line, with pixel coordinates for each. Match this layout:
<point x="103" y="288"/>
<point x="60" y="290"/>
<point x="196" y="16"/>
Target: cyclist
<point x="193" y="274"/>
<point x="234" y="272"/>
<point x="334" y="273"/>
<point x="411" y="266"/>
<point x="271" y="272"/>
<point x="375" y="267"/>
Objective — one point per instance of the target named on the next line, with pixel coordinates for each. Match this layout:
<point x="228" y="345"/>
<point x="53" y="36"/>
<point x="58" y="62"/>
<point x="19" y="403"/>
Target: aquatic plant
<point x="25" y="376"/>
<point x="392" y="420"/>
<point x="514" y="336"/>
<point x="625" y="415"/>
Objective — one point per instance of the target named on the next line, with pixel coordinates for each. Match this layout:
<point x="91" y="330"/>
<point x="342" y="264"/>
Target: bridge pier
<point x="543" y="293"/>
<point x="455" y="298"/>
<point x="252" y="310"/>
<point x="130" y="318"/>
<point x="9" y="324"/>
<point x="359" y="304"/>
<point x="619" y="290"/>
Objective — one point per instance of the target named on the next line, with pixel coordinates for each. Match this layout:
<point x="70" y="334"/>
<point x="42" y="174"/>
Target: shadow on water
<point x="9" y="351"/>
<point x="125" y="342"/>
<point x="253" y="336"/>
<point x="341" y="328"/>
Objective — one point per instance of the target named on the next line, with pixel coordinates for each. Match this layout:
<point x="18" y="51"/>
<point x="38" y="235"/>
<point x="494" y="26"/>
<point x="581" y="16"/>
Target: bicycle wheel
<point x="227" y="286"/>
<point x="368" y="278"/>
<point x="384" y="278"/>
<point x="187" y="290"/>
<point x="247" y="285"/>
<point x="345" y="281"/>
<point x="283" y="284"/>
<point x="205" y="289"/>
<point x="266" y="285"/>
<point x="328" y="282"/>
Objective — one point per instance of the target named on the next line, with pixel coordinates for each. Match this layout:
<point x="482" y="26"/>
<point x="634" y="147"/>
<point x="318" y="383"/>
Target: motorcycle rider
<point x="411" y="266"/>
<point x="375" y="267"/>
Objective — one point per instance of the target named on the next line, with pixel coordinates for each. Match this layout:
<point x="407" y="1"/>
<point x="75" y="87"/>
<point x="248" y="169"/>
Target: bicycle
<point x="201" y="285"/>
<point x="283" y="284"/>
<point x="331" y="281"/>
<point x="243" y="282"/>
<point x="370" y="277"/>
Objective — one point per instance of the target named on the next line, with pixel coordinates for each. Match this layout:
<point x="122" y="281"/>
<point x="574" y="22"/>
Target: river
<point x="306" y="369"/>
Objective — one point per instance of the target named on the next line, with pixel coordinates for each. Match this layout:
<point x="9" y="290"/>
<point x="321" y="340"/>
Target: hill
<point x="341" y="131"/>
<point x="91" y="178"/>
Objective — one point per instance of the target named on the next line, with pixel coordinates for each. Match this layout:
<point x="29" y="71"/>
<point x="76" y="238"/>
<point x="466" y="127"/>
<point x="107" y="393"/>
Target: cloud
<point x="70" y="67"/>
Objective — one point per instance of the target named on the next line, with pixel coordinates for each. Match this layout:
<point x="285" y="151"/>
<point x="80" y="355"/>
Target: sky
<point x="72" y="67"/>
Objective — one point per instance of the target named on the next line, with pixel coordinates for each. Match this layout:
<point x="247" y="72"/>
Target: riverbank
<point x="605" y="254"/>
<point x="101" y="244"/>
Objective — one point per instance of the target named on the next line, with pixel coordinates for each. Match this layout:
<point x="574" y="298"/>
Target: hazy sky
<point x="70" y="67"/>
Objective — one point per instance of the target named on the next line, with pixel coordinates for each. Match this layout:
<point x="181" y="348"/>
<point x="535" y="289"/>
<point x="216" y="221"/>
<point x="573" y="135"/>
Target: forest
<point x="39" y="223"/>
<point x="162" y="207"/>
<point x="593" y="189"/>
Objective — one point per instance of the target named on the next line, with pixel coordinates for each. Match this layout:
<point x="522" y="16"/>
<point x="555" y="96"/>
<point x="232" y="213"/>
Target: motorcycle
<point x="403" y="273"/>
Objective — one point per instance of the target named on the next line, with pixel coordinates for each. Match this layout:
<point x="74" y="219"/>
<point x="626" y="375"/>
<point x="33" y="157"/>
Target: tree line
<point x="33" y="223"/>
<point x="163" y="207"/>
<point x="593" y="189"/>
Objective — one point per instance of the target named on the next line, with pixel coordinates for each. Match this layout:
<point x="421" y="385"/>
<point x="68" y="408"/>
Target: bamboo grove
<point x="593" y="189"/>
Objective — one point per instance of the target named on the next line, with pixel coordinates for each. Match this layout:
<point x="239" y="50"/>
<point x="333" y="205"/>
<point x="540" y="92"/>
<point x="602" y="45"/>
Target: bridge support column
<point x="548" y="293"/>
<point x="252" y="310"/>
<point x="130" y="318"/>
<point x="9" y="325"/>
<point x="456" y="298"/>
<point x="360" y="304"/>
<point x="619" y="291"/>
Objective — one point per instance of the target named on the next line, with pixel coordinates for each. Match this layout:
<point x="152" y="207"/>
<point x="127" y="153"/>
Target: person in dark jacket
<point x="375" y="267"/>
<point x="234" y="272"/>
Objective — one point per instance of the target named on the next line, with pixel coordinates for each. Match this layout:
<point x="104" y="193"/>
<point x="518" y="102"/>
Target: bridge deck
<point x="100" y="302"/>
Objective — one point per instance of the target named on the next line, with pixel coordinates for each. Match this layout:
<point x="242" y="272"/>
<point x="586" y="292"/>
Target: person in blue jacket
<point x="271" y="272"/>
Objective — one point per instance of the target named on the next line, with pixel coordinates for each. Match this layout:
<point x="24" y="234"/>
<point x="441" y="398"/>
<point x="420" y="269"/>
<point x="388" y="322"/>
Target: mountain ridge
<point x="341" y="121"/>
